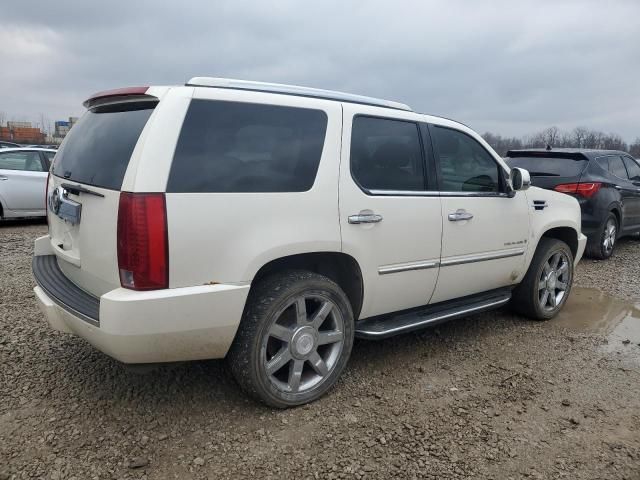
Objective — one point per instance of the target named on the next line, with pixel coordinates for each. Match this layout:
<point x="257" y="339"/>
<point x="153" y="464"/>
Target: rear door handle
<point x="459" y="215"/>
<point x="2" y="177"/>
<point x="365" y="218"/>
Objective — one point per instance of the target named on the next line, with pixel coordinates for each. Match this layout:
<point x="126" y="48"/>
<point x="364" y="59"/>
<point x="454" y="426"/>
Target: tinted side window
<point x="616" y="167"/>
<point x="604" y="163"/>
<point x="464" y="164"/>
<point x="387" y="154"/>
<point x="632" y="168"/>
<point x="246" y="147"/>
<point x="25" y="161"/>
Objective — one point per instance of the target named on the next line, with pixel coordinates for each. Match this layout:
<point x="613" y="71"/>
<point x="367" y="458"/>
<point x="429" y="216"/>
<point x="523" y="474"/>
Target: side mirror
<point x="520" y="179"/>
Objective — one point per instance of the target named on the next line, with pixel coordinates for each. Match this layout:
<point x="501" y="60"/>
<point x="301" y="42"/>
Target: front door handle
<point x="459" y="215"/>
<point x="365" y="218"/>
<point x="2" y="177"/>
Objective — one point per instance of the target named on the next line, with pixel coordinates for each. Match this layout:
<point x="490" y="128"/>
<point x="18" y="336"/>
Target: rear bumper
<point x="145" y="327"/>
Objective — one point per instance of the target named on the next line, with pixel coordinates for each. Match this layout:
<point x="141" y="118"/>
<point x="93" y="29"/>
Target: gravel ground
<point x="490" y="396"/>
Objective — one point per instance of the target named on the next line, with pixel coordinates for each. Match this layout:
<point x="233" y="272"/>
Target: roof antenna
<point x="548" y="147"/>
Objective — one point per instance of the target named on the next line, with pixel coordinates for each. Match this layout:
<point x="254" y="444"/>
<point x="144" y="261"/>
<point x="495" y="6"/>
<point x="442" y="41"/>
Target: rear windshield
<point x="246" y="147"/>
<point x="549" y="167"/>
<point x="98" y="148"/>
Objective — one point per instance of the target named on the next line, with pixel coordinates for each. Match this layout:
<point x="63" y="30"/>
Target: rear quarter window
<point x="98" y="148"/>
<point x="245" y="147"/>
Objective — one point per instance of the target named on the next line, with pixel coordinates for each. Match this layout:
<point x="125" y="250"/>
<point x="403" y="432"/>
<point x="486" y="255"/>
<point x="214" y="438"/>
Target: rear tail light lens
<point x="143" y="247"/>
<point x="586" y="190"/>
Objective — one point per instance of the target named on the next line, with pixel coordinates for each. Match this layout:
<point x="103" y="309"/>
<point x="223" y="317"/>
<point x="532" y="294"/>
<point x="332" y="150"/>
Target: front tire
<point x="294" y="340"/>
<point x="547" y="284"/>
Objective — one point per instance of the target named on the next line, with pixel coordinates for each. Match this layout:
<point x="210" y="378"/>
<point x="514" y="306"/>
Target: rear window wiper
<point x="78" y="189"/>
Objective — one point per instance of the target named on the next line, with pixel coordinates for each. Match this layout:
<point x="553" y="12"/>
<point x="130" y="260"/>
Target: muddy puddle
<point x="591" y="311"/>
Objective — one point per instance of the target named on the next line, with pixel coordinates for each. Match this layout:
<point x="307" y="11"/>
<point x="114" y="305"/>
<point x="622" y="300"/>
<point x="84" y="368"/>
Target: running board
<point x="384" y="326"/>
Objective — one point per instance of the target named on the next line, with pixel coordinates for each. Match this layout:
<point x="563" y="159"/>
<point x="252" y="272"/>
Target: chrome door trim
<point x="516" y="252"/>
<point x="407" y="267"/>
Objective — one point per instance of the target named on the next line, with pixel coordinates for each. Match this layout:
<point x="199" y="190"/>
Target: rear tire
<point x="294" y="340"/>
<point x="601" y="246"/>
<point x="547" y="284"/>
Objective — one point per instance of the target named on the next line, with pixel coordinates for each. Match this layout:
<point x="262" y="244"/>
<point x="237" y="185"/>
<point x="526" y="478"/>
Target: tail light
<point x="586" y="190"/>
<point x="143" y="247"/>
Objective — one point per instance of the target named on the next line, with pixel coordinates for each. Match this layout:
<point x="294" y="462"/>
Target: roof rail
<point x="233" y="84"/>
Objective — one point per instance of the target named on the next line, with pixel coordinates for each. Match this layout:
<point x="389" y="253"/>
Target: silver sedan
<point x="23" y="180"/>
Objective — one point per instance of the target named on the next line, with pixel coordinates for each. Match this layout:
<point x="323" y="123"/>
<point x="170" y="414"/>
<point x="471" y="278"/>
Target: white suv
<point x="270" y="224"/>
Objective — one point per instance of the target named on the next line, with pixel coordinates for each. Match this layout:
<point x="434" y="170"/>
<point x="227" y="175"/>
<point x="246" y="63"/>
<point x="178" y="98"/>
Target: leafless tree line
<point x="579" y="137"/>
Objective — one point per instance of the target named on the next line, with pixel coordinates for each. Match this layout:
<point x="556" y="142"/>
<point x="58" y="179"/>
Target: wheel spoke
<point x="555" y="261"/>
<point x="542" y="284"/>
<point x="561" y="285"/>
<point x="321" y="314"/>
<point x="280" y="332"/>
<point x="301" y="311"/>
<point x="295" y="374"/>
<point x="278" y="361"/>
<point x="547" y="268"/>
<point x="318" y="364"/>
<point x="552" y="298"/>
<point x="330" y="337"/>
<point x="564" y="268"/>
<point x="545" y="298"/>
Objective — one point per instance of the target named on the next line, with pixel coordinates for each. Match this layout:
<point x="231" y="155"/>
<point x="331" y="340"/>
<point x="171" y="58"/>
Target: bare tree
<point x="579" y="137"/>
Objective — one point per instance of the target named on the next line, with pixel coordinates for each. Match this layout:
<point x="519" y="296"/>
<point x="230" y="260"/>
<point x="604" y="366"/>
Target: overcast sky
<point x="511" y="67"/>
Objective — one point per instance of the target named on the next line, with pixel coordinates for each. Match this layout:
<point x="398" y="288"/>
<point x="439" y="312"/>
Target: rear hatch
<point x="84" y="189"/>
<point x="549" y="169"/>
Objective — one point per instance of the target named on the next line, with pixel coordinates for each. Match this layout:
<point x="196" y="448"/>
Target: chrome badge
<point x="63" y="207"/>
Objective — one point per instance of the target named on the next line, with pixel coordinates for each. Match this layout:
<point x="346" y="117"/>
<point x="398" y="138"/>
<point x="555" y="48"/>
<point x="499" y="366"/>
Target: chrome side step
<point x="384" y="326"/>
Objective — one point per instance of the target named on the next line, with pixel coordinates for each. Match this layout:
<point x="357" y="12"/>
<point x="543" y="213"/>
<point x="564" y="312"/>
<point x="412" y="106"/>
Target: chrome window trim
<point x="433" y="193"/>
<point x="387" y="269"/>
<point x="474" y="194"/>
<point x="482" y="257"/>
<point x="403" y="193"/>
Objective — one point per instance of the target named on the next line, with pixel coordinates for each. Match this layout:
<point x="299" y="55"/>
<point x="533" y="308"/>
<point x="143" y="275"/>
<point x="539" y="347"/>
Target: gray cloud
<point x="509" y="67"/>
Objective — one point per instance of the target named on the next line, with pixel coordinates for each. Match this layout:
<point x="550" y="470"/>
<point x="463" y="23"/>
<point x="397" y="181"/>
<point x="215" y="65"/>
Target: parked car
<point x="606" y="183"/>
<point x="4" y="144"/>
<point x="270" y="224"/>
<point x="48" y="147"/>
<point x="23" y="177"/>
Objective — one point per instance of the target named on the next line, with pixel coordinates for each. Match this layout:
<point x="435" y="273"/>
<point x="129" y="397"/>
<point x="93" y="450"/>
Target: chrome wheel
<point x="303" y="344"/>
<point x="609" y="236"/>
<point x="554" y="281"/>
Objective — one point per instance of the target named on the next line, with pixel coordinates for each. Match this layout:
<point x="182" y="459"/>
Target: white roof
<point x="293" y="90"/>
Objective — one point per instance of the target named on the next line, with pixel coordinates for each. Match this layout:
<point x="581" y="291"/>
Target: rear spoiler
<point x="546" y="154"/>
<point x="119" y="94"/>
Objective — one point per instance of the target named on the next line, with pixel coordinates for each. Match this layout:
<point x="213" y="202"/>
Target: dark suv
<point x="605" y="182"/>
